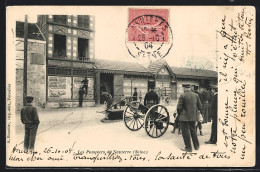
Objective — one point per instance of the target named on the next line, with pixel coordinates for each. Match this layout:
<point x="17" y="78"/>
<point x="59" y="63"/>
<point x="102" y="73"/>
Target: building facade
<point x="69" y="58"/>
<point x="199" y="78"/>
<point x="120" y="78"/>
<point x="61" y="55"/>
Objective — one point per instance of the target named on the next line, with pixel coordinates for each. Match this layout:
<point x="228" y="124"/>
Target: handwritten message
<point x="235" y="68"/>
<point x="55" y="154"/>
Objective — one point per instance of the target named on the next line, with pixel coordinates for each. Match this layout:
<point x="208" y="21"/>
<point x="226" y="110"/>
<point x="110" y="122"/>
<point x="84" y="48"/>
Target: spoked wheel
<point x="156" y="121"/>
<point x="133" y="119"/>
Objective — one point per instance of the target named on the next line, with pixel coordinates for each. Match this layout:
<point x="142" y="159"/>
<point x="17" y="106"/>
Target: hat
<point x="186" y="86"/>
<point x="135" y="88"/>
<point x="215" y="87"/>
<point x="29" y="99"/>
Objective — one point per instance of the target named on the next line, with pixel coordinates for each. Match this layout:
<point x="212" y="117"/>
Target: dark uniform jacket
<point x="205" y="96"/>
<point x="151" y="98"/>
<point x="135" y="96"/>
<point x="29" y="115"/>
<point x="214" y="106"/>
<point x="188" y="105"/>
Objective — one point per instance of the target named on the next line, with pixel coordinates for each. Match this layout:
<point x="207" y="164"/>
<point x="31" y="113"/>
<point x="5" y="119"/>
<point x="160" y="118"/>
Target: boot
<point x="201" y="133"/>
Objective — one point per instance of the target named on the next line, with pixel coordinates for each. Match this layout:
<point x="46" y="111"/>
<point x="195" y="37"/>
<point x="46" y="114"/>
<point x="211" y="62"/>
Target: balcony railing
<point x="83" y="59"/>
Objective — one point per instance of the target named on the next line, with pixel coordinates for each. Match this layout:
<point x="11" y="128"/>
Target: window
<point x="83" y="49"/>
<point x="83" y="21"/>
<point x="59" y="46"/>
<point x="61" y="19"/>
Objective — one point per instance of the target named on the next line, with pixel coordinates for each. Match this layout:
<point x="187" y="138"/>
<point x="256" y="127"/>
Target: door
<point x="118" y="87"/>
<point x="174" y="91"/>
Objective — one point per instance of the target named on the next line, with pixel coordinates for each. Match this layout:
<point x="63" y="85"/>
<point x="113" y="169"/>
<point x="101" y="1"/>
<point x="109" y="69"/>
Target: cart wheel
<point x="156" y="121"/>
<point x="133" y="119"/>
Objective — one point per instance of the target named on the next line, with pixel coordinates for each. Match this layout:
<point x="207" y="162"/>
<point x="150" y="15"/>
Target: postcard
<point x="130" y="86"/>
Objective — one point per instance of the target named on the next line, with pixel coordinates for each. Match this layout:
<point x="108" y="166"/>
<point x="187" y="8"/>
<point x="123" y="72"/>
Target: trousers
<point x="30" y="136"/>
<point x="199" y="126"/>
<point x="214" y="129"/>
<point x="188" y="133"/>
<point x="205" y="111"/>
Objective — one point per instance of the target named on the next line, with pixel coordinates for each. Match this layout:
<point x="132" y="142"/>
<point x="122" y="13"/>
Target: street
<point x="81" y="128"/>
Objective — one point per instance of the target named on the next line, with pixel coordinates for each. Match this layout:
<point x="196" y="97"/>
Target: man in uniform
<point x="214" y="116"/>
<point x="205" y="104"/>
<point x="81" y="92"/>
<point x="30" y="119"/>
<point x="151" y="98"/>
<point x="135" y="94"/>
<point x="187" y="108"/>
<point x="199" y="125"/>
<point x="85" y="85"/>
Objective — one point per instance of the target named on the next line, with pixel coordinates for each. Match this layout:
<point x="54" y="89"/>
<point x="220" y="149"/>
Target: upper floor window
<point x="83" y="21"/>
<point x="83" y="49"/>
<point x="59" y="46"/>
<point x="61" y="19"/>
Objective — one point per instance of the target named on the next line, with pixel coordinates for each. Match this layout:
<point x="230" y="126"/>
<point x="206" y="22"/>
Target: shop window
<point x="83" y="49"/>
<point x="61" y="19"/>
<point x="83" y="21"/>
<point x="59" y="46"/>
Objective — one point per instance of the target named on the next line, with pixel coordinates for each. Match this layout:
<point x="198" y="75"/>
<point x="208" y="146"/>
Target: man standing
<point x="188" y="106"/>
<point x="151" y="98"/>
<point x="214" y="116"/>
<point x="135" y="94"/>
<point x="205" y="104"/>
<point x="199" y="125"/>
<point x="210" y="105"/>
<point x="85" y="85"/>
<point x="81" y="92"/>
<point x="30" y="119"/>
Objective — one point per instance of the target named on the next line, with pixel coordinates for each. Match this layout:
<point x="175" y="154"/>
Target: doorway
<point x="106" y="84"/>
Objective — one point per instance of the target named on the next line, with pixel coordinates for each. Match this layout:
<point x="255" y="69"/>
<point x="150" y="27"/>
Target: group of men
<point x="190" y="104"/>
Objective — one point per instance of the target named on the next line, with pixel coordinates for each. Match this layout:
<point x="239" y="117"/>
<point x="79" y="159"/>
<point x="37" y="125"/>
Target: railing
<point x="84" y="59"/>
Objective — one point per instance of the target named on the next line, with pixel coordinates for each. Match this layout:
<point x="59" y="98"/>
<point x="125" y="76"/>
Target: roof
<point x="182" y="72"/>
<point x="157" y="65"/>
<point x="33" y="31"/>
<point x="109" y="66"/>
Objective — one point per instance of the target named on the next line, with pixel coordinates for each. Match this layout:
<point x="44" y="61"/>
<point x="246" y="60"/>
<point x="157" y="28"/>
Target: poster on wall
<point x="59" y="87"/>
<point x="77" y="84"/>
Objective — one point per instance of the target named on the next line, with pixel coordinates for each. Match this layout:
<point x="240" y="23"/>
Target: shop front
<point x="64" y="85"/>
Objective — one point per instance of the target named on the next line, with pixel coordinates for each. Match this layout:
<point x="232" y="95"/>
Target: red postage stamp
<point x="148" y="25"/>
<point x="148" y="33"/>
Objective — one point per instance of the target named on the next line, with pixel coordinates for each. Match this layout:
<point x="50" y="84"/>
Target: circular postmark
<point x="149" y="36"/>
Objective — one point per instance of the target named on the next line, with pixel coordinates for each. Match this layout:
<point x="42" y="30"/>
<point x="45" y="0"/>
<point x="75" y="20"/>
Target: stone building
<point x="36" y="65"/>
